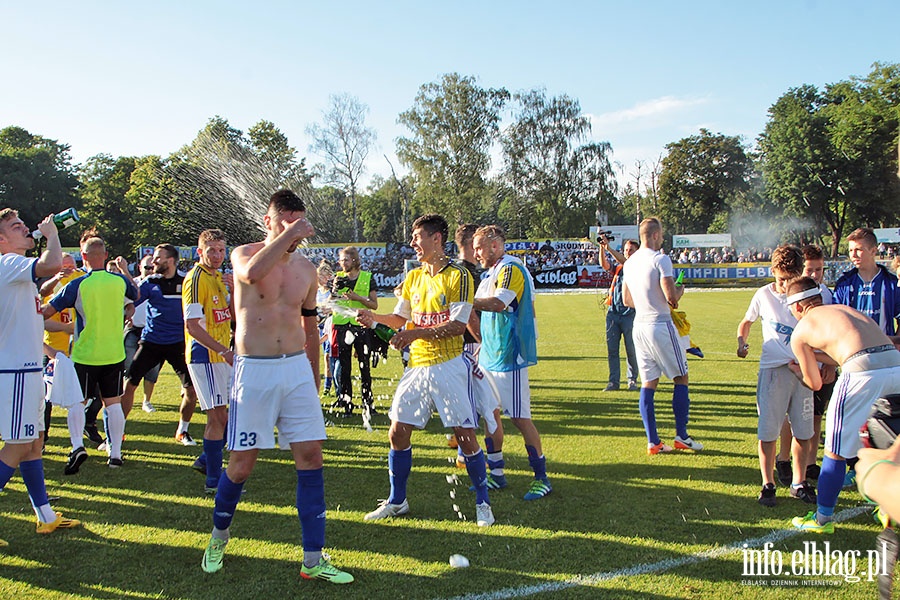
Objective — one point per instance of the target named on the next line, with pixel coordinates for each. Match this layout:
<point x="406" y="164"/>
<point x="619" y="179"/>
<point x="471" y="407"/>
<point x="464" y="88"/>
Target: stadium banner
<point x="519" y="246"/>
<point x="703" y="240"/>
<point x="367" y="252"/>
<point x="888" y="235"/>
<point x="724" y="273"/>
<point x="559" y="277"/>
<point x="593" y="276"/>
<point x="185" y="253"/>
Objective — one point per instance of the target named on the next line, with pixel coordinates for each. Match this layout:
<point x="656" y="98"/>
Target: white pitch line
<point x="644" y="569"/>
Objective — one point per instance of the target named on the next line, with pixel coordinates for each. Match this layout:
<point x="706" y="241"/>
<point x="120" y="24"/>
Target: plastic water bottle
<point x="66" y="218"/>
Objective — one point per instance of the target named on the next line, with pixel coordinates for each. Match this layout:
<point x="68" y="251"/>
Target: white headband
<point x="795" y="298"/>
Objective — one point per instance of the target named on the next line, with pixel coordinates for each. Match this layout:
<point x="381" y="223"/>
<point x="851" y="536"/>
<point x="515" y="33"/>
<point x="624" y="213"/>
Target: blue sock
<point x="477" y="471"/>
<point x="6" y="473"/>
<point x="681" y="406"/>
<point x="488" y="445"/>
<point x="212" y="451"/>
<point x="831" y="480"/>
<point x="33" y="473"/>
<point x="648" y="414"/>
<point x="311" y="508"/>
<point x="538" y="463"/>
<point x="399" y="466"/>
<point x="227" y="497"/>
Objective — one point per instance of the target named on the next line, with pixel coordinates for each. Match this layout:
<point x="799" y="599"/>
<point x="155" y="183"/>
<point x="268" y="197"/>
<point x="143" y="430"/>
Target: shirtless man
<point x="274" y="383"/>
<point x="870" y="368"/>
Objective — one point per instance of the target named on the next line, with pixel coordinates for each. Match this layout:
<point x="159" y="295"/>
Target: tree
<point x="36" y="177"/>
<point x="223" y="179"/>
<point x="453" y="124"/>
<point x="829" y="157"/>
<point x="559" y="184"/>
<point x="381" y="211"/>
<point x="271" y="146"/>
<point x="702" y="176"/>
<point x="105" y="183"/>
<point x="803" y="171"/>
<point x="344" y="141"/>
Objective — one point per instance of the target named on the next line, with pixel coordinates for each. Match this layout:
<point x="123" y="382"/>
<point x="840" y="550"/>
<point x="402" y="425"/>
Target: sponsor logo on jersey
<point x="220" y="315"/>
<point x="431" y="319"/>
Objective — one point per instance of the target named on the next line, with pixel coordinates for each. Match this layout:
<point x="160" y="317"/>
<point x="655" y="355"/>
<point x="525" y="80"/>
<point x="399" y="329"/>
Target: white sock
<point x="44" y="513"/>
<point x="221" y="534"/>
<point x="75" y="420"/>
<point x="115" y="419"/>
<point x="183" y="426"/>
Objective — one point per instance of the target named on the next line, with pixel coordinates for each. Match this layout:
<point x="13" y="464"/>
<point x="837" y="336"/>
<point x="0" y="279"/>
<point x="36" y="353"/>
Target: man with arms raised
<point x="207" y="320"/>
<point x="650" y="289"/>
<point x="505" y="298"/>
<point x="870" y="368"/>
<point x="276" y="380"/>
<point x="437" y="298"/>
<point x="21" y="383"/>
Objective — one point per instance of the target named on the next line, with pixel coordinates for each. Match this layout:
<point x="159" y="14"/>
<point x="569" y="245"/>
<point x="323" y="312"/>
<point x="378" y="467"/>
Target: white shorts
<point x="779" y="392"/>
<point x="21" y="406"/>
<point x="487" y="396"/>
<point x="269" y="393"/>
<point x="212" y="382"/>
<point x="851" y="403"/>
<point x="659" y="351"/>
<point x="447" y="387"/>
<point x="515" y="393"/>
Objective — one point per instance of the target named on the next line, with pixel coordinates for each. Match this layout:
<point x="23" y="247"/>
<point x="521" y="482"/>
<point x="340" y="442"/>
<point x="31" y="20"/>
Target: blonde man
<point x="650" y="289"/>
<point x="21" y="385"/>
<point x="207" y="319"/>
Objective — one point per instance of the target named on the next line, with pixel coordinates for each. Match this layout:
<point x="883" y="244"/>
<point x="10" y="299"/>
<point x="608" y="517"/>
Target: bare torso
<point x="267" y="312"/>
<point x="839" y="331"/>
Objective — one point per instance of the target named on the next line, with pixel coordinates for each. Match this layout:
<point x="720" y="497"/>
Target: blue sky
<point x="129" y="78"/>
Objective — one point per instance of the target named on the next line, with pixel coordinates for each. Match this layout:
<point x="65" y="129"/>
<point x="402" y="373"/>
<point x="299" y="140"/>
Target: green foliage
<point x="830" y="157"/>
<point x="702" y="177"/>
<point x="381" y="211"/>
<point x="105" y="183"/>
<point x="558" y="184"/>
<point x="36" y="177"/>
<point x="453" y="124"/>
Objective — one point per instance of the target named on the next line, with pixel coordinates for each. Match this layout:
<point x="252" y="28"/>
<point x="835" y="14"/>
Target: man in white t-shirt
<point x="778" y="391"/>
<point x="21" y="382"/>
<point x="650" y="289"/>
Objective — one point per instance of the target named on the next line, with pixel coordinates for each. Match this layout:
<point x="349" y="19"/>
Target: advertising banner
<point x="888" y="235"/>
<point x="702" y="240"/>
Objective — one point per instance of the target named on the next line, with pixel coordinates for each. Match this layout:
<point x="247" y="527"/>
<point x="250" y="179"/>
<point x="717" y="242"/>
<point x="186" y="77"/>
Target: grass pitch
<point x="633" y="522"/>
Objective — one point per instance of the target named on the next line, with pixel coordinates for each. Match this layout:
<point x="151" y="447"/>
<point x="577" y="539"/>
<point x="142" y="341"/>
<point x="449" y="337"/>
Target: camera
<point x="340" y="286"/>
<point x="610" y="237"/>
<point x="883" y="424"/>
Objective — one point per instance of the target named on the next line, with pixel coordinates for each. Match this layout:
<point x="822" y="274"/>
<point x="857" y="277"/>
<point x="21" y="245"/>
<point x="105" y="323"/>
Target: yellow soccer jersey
<point x="60" y="340"/>
<point x="433" y="301"/>
<point x="204" y="297"/>
<point x="512" y="279"/>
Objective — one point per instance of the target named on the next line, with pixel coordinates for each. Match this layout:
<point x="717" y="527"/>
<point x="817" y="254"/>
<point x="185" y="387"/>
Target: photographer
<point x="353" y="288"/>
<point x="879" y="477"/>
